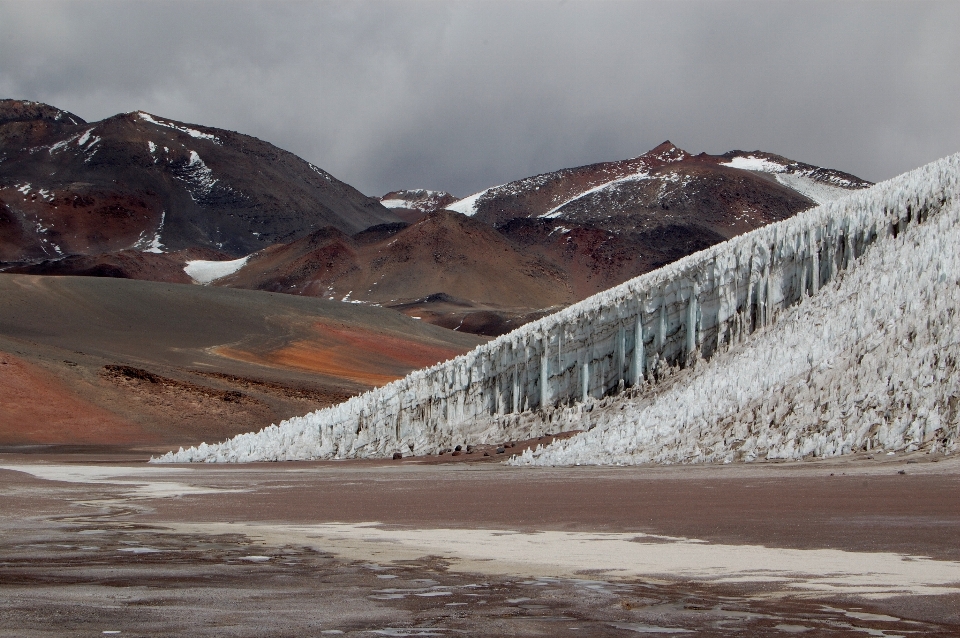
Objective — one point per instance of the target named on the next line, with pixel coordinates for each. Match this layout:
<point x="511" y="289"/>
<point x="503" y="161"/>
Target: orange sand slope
<point x="35" y="407"/>
<point x="354" y="353"/>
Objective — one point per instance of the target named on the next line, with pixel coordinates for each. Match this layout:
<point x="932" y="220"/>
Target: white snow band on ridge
<point x="546" y="375"/>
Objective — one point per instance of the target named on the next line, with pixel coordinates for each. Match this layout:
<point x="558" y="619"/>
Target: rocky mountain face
<point x="140" y="182"/>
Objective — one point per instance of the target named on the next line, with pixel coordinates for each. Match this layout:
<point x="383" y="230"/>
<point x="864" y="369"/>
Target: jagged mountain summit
<point x="140" y="182"/>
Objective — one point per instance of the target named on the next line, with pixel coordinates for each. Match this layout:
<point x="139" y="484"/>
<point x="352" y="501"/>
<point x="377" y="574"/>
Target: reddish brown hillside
<point x="665" y="178"/>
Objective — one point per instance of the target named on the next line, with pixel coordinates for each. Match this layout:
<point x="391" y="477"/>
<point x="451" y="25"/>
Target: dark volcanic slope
<point x="141" y="181"/>
<point x="94" y="360"/>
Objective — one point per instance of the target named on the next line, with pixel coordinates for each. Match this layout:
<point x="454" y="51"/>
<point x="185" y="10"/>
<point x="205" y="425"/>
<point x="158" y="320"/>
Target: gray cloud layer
<point x="461" y="96"/>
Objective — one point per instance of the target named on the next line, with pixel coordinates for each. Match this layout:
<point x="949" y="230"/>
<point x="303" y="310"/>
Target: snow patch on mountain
<point x="62" y="144"/>
<point x="666" y="180"/>
<point x="751" y="163"/>
<point x="611" y="185"/>
<point x="819" y="192"/>
<point x="197" y="177"/>
<point x="818" y="184"/>
<point x="83" y="138"/>
<point x="468" y="205"/>
<point x="204" y="272"/>
<point x="152" y="244"/>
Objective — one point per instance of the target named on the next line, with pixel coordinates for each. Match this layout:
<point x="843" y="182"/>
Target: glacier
<point x="828" y="332"/>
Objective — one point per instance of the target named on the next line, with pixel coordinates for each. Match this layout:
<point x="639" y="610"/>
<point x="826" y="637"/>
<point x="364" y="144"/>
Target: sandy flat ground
<point x="101" y="542"/>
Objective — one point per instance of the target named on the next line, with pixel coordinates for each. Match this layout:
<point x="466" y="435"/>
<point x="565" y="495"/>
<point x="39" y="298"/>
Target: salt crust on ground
<point x="870" y="362"/>
<point x="565" y="554"/>
<point x="144" y="482"/>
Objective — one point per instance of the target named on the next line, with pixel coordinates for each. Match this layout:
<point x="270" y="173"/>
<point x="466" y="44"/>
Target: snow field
<point x="819" y="185"/>
<point x="751" y="163"/>
<point x="396" y="203"/>
<point x="548" y="374"/>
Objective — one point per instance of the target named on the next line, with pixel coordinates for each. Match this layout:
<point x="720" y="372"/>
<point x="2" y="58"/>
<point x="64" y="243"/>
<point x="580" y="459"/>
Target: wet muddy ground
<point x="101" y="544"/>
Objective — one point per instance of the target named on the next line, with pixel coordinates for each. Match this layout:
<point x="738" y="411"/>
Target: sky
<point x="460" y="96"/>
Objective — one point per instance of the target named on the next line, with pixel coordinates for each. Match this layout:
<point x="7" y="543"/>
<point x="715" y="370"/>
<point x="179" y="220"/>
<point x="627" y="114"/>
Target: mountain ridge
<point x="140" y="181"/>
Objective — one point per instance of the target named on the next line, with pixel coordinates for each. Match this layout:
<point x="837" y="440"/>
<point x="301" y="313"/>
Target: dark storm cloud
<point x="460" y="96"/>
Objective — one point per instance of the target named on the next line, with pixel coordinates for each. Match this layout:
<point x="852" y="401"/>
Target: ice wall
<point x="871" y="364"/>
<point x="546" y="374"/>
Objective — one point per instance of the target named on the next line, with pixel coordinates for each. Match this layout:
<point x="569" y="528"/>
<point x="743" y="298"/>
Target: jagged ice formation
<point x="869" y="364"/>
<point x="774" y="397"/>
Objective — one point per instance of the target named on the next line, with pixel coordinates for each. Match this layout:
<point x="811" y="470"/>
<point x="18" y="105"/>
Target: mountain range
<point x="140" y="196"/>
